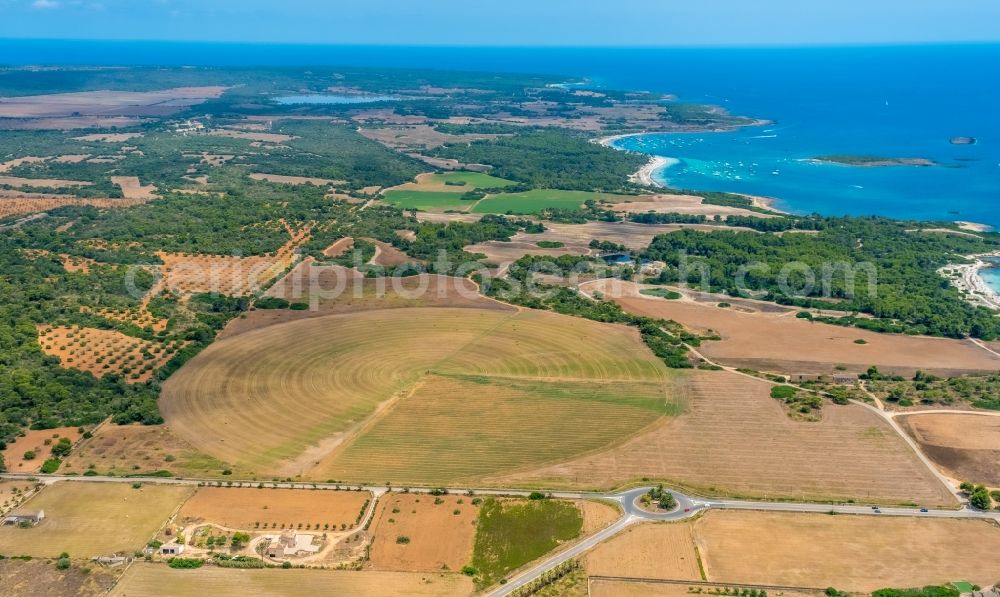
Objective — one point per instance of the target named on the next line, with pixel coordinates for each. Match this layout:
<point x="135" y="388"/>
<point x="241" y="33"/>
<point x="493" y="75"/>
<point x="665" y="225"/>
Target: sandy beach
<point x="609" y="141"/>
<point x="974" y="226"/>
<point x="645" y="174"/>
<point x="966" y="278"/>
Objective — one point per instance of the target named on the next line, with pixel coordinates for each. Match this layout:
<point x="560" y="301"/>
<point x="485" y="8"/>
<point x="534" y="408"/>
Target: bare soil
<point x="649" y="550"/>
<point x="38" y="441"/>
<point x="439" y="539"/>
<point x="852" y="553"/>
<point x="965" y="447"/>
<point x="735" y="439"/>
<point x="797" y="346"/>
<point x="253" y="508"/>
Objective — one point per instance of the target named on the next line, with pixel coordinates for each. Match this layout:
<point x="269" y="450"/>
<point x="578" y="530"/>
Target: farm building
<point x="171" y="549"/>
<point x="290" y="543"/>
<point x="30" y="518"/>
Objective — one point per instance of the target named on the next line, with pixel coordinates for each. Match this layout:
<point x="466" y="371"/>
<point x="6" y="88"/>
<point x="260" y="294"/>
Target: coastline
<point x="974" y="226"/>
<point x="644" y="175"/>
<point x="967" y="279"/>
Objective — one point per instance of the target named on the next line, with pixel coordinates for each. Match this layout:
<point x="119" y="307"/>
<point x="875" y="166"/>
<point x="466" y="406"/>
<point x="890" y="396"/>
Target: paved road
<point x="687" y="507"/>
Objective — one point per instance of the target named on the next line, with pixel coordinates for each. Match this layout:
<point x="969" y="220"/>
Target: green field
<point x="534" y="201"/>
<point x="511" y="533"/>
<point x="472" y="180"/>
<point x="427" y="200"/>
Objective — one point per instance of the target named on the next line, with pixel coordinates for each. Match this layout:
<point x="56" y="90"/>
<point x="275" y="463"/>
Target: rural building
<point x="845" y="379"/>
<point x="290" y="543"/>
<point x="18" y="518"/>
<point x="171" y="549"/>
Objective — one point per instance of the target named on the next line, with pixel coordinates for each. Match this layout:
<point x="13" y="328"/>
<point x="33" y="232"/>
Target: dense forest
<point x="900" y="262"/>
<point x="552" y="159"/>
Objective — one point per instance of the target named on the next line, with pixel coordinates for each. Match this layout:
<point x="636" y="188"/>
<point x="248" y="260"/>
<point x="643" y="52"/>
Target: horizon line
<point x="707" y="46"/>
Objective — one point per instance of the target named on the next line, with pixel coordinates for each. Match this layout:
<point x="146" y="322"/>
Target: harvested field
<point x="241" y="399"/>
<point x="13" y="493"/>
<point x="38" y="441"/>
<point x="281" y="179"/>
<point x="341" y="290"/>
<point x="247" y="508"/>
<point x="439" y="538"/>
<point x="600" y="587"/>
<point x="648" y="550"/>
<point x="737" y="440"/>
<point x="106" y="103"/>
<point x="459" y="429"/>
<point x="101" y="352"/>
<point x="805" y="347"/>
<point x="597" y="515"/>
<point x="681" y="204"/>
<point x="339" y="247"/>
<point x="90" y="519"/>
<point x="387" y="255"/>
<point x="133" y="189"/>
<point x="131" y="449"/>
<point x="964" y="447"/>
<point x="142" y="580"/>
<point x="108" y="137"/>
<point x="853" y="553"/>
<point x="40" y="577"/>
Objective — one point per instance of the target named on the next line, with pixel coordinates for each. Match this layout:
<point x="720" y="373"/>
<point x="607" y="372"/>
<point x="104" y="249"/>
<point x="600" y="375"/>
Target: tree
<point x="62" y="448"/>
<point x="239" y="540"/>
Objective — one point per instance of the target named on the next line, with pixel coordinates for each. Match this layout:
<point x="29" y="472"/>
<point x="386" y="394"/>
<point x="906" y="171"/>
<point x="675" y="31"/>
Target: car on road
<point x="877" y="510"/>
<point x="874" y="507"/>
<point x="924" y="510"/>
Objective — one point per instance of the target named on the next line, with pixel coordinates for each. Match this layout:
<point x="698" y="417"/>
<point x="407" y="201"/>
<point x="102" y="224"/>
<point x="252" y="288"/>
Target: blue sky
<point x="511" y="22"/>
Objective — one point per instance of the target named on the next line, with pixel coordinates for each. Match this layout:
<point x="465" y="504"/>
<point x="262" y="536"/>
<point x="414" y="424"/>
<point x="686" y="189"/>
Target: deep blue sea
<point x="900" y="101"/>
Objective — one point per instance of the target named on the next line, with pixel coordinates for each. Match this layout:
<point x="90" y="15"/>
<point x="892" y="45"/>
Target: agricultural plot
<point x="735" y="439"/>
<point x="150" y="579"/>
<point x="441" y="191"/>
<point x="534" y="201"/>
<point x="805" y="347"/>
<point x="517" y="423"/>
<point x="681" y="204"/>
<point x="964" y="447"/>
<point x="136" y="449"/>
<point x="13" y="492"/>
<point x="185" y="274"/>
<point x="330" y="289"/>
<point x="103" y="352"/>
<point x="254" y="508"/>
<point x="243" y="399"/>
<point x="38" y="444"/>
<point x="422" y="533"/>
<point x="651" y="550"/>
<point x="14" y="203"/>
<point x="90" y="519"/>
<point x="453" y="182"/>
<point x="512" y="532"/>
<point x="852" y="553"/>
<point x="21" y="578"/>
<point x="427" y="200"/>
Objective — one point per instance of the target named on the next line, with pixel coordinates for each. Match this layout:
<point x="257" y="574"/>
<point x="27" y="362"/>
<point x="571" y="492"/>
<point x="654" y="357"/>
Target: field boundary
<point x="700" y="583"/>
